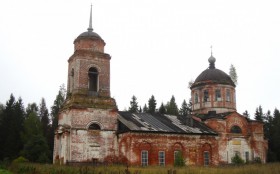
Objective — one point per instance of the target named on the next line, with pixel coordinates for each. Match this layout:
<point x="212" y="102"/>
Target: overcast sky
<point x="157" y="47"/>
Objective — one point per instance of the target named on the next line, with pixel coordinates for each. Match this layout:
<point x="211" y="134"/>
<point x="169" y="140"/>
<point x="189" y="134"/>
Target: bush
<point x="20" y="160"/>
<point x="2" y="171"/>
<point x="179" y="159"/>
<point x="237" y="159"/>
<point x="257" y="160"/>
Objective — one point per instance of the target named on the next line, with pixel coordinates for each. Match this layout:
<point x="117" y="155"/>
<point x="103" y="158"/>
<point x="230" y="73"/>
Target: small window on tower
<point x="228" y="95"/>
<point x="72" y="72"/>
<point x="195" y="98"/>
<point x="218" y="95"/>
<point x="93" y="79"/>
<point x="206" y="96"/>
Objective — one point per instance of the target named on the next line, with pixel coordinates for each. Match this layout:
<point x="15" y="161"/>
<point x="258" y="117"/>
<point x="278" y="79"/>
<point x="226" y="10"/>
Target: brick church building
<point x="91" y="129"/>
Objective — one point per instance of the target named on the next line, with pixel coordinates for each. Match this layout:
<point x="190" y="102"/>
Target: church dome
<point x="212" y="75"/>
<point x="88" y="34"/>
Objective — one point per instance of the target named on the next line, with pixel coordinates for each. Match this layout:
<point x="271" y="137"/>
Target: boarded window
<point x="93" y="79"/>
<point x="235" y="130"/>
<point x="161" y="158"/>
<point x="144" y="158"/>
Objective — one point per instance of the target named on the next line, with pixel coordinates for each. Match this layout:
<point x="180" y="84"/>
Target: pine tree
<point x="11" y="127"/>
<point x="171" y="107"/>
<point x="32" y="108"/>
<point x="184" y="110"/>
<point x="35" y="146"/>
<point x="140" y="110"/>
<point x="32" y="126"/>
<point x="275" y="137"/>
<point x="233" y="74"/>
<point x="145" y="108"/>
<point x="44" y="117"/>
<point x="259" y="114"/>
<point x="133" y="105"/>
<point x="58" y="102"/>
<point x="152" y="105"/>
<point x="162" y="109"/>
<point x="246" y="114"/>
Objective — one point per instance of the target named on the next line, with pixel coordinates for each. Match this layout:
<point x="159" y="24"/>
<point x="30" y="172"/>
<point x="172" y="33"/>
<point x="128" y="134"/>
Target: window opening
<point x="206" y="96"/>
<point x="94" y="126"/>
<point x="206" y="158"/>
<point x="218" y="95"/>
<point x="93" y="79"/>
<point x="195" y="98"/>
<point x="228" y="95"/>
<point x="144" y="158"/>
<point x="176" y="155"/>
<point x="247" y="156"/>
<point x="161" y="158"/>
<point x="235" y="130"/>
<point x="72" y="80"/>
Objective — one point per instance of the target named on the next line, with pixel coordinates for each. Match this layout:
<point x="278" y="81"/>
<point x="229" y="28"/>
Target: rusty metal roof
<point x="145" y="122"/>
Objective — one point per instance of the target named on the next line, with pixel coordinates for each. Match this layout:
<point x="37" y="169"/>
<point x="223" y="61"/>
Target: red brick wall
<point x="191" y="146"/>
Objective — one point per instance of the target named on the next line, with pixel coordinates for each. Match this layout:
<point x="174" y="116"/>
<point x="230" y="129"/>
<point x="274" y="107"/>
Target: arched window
<point x="235" y="130"/>
<point x="94" y="126"/>
<point x="93" y="79"/>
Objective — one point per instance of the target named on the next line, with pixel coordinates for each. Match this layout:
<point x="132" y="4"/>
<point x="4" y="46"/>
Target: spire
<point x="90" y="29"/>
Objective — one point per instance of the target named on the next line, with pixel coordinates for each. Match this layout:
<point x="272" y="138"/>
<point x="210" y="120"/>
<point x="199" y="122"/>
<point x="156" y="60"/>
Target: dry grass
<point x="28" y="168"/>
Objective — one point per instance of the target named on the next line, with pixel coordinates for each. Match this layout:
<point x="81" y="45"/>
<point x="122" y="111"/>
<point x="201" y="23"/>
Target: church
<point x="91" y="129"/>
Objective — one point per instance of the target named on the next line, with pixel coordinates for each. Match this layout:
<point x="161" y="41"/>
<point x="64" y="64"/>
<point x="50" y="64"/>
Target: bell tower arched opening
<point x="93" y="79"/>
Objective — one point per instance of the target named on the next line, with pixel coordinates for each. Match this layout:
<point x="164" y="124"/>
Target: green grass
<point x="2" y="171"/>
<point x="29" y="168"/>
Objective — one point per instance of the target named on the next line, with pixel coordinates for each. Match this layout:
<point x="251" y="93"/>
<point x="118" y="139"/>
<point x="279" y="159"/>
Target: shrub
<point x="179" y="159"/>
<point x="237" y="159"/>
<point x="2" y="171"/>
<point x="20" y="160"/>
<point x="257" y="160"/>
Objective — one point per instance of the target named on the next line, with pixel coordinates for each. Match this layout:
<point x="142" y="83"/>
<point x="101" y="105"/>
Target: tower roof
<point x="89" y="33"/>
<point x="212" y="75"/>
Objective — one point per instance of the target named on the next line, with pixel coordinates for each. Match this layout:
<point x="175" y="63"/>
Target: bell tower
<point x="88" y="119"/>
<point x="89" y="66"/>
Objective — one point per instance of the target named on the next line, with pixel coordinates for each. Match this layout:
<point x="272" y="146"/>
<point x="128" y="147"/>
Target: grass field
<point x="29" y="168"/>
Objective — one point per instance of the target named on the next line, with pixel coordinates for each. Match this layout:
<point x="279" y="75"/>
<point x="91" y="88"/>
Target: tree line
<point x="170" y="108"/>
<point x="29" y="132"/>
